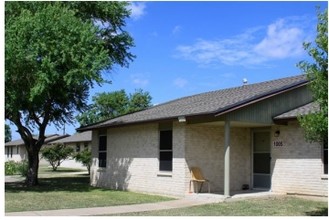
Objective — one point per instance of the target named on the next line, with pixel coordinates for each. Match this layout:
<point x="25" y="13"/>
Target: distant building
<point x="16" y="151"/>
<point x="79" y="142"/>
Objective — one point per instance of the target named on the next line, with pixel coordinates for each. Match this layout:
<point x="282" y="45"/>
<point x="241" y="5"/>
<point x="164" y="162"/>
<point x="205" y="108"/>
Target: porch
<point x="235" y="195"/>
<point x="231" y="155"/>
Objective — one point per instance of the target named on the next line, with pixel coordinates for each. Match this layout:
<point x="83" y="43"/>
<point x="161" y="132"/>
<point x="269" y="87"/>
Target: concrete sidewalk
<point x="112" y="210"/>
<point x="188" y="201"/>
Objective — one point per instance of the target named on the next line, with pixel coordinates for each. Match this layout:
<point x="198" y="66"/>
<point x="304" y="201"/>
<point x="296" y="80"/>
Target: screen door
<point x="261" y="160"/>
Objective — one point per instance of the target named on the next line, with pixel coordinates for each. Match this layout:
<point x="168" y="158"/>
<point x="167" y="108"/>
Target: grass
<point x="274" y="206"/>
<point x="62" y="191"/>
<point x="58" y="190"/>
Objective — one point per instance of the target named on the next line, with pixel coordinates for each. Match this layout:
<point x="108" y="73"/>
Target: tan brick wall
<point x="132" y="161"/>
<point x="205" y="149"/>
<point x="297" y="166"/>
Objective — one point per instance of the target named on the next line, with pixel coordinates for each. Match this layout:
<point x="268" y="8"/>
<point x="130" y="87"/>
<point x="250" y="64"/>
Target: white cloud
<point x="137" y="9"/>
<point x="176" y="29"/>
<point x="227" y="51"/>
<point x="139" y="80"/>
<point x="180" y="82"/>
<point x="256" y="46"/>
<point x="281" y="41"/>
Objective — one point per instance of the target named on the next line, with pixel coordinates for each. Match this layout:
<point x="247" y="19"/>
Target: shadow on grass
<point x="78" y="183"/>
<point x="60" y="170"/>
<point x="323" y="211"/>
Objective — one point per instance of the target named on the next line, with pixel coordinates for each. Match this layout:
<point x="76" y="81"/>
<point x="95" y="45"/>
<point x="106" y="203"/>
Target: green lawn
<point x="58" y="190"/>
<point x="274" y="206"/>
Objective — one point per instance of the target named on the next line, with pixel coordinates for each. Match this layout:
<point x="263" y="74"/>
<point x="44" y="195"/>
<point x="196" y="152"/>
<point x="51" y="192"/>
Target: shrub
<point x="85" y="158"/>
<point x="22" y="168"/>
<point x="56" y="154"/>
<point x="10" y="167"/>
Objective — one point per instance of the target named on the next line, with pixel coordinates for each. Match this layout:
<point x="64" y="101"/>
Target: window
<point x="102" y="146"/>
<point x="77" y="148"/>
<point x="86" y="145"/>
<point x="325" y="156"/>
<point x="166" y="152"/>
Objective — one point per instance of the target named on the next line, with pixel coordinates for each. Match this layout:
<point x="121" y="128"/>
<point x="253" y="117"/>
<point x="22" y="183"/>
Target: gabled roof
<point x="50" y="137"/>
<point x="209" y="103"/>
<point x="303" y="110"/>
<point x="78" y="137"/>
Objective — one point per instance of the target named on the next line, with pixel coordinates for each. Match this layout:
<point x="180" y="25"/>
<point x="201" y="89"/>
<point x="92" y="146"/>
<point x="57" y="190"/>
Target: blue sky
<point x="185" y="48"/>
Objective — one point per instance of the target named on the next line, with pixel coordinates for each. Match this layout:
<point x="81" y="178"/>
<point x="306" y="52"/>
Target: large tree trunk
<point x="33" y="167"/>
<point x="33" y="146"/>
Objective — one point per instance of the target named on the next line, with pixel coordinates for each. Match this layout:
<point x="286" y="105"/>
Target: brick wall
<point x="132" y="161"/>
<point x="133" y="151"/>
<point x="297" y="165"/>
<point x="205" y="149"/>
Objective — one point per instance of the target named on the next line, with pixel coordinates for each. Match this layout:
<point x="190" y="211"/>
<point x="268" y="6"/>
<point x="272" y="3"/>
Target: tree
<point x="139" y="100"/>
<point x="85" y="158"/>
<point x="315" y="125"/>
<point x="7" y="133"/>
<point x="56" y="154"/>
<point x="113" y="104"/>
<point x="54" y="52"/>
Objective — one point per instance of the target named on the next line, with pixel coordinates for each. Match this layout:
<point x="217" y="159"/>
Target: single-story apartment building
<point x="78" y="142"/>
<point x="16" y="150"/>
<point x="242" y="137"/>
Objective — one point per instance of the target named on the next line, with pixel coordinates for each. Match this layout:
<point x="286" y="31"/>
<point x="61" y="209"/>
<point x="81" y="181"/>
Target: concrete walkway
<point x="112" y="210"/>
<point x="188" y="201"/>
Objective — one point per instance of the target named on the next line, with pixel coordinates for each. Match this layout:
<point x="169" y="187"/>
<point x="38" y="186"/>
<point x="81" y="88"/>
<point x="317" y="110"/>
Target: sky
<point x="186" y="48"/>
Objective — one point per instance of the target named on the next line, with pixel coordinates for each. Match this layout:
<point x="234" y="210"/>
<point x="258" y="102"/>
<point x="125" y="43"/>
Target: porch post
<point x="227" y="160"/>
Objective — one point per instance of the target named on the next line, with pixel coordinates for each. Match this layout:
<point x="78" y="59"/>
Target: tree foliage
<point x="113" y="104"/>
<point x="54" y="53"/>
<point x="316" y="124"/>
<point x="85" y="158"/>
<point x="7" y="133"/>
<point x="56" y="154"/>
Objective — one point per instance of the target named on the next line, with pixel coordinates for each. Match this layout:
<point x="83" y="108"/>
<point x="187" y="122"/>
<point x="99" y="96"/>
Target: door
<point x="261" y="160"/>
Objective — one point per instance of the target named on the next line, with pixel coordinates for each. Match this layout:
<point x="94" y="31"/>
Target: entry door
<point x="261" y="160"/>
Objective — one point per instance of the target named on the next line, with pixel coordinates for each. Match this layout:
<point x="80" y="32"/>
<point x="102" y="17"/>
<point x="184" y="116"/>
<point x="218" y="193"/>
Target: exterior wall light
<point x="181" y="119"/>
<point x="277" y="133"/>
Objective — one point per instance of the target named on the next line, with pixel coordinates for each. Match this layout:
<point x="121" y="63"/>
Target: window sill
<point x="324" y="177"/>
<point x="164" y="174"/>
<point x="101" y="169"/>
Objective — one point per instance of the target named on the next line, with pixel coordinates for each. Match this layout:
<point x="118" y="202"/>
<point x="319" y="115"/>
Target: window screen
<point x="102" y="152"/>
<point x="166" y="154"/>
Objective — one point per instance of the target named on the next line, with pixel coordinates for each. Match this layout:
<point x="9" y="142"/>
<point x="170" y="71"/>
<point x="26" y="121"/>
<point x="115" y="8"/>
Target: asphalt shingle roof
<point x="49" y="138"/>
<point x="78" y="137"/>
<point x="303" y="110"/>
<point x="205" y="103"/>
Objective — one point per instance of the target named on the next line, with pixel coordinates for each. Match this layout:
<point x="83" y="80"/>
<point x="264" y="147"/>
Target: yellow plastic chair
<point x="196" y="176"/>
